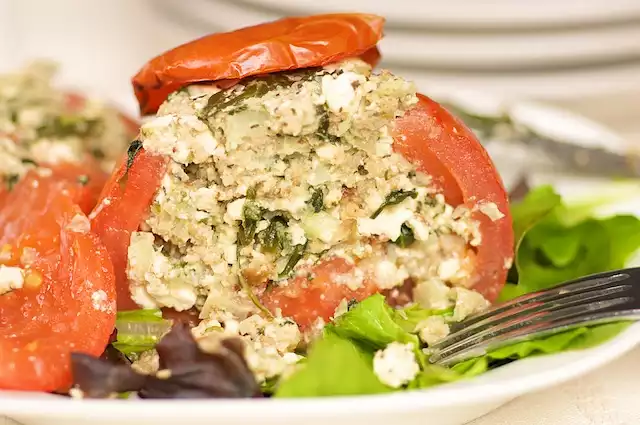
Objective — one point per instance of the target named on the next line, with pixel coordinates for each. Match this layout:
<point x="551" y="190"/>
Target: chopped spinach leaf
<point x="394" y="198"/>
<point x="294" y="258"/>
<point x="406" y="237"/>
<point x="28" y="161"/>
<point x="317" y="199"/>
<point x="275" y="237"/>
<point x="251" y="214"/>
<point x="252" y="192"/>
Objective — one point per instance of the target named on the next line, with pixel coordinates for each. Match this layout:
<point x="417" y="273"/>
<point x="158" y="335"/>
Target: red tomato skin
<point x="73" y="308"/>
<point x="442" y="146"/>
<point x="123" y="204"/>
<point x="285" y="44"/>
<point x="306" y="300"/>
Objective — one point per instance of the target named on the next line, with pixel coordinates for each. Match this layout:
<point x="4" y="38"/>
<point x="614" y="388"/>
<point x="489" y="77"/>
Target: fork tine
<point x="588" y="283"/>
<point x="535" y="325"/>
<point x="521" y="311"/>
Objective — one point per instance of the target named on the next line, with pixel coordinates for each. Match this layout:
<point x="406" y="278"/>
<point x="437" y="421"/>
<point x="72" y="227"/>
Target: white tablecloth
<point x="101" y="45"/>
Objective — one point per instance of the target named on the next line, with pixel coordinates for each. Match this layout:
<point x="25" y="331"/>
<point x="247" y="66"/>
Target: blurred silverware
<point x="572" y="157"/>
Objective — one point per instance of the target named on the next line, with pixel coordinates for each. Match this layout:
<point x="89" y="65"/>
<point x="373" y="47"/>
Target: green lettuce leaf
<point x="335" y="366"/>
<point x="574" y="339"/>
<point x="372" y="323"/>
<point x="139" y="331"/>
<point x="557" y="242"/>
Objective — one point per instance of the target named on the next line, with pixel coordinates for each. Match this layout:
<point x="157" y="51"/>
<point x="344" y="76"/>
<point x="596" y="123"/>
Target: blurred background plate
<point x="571" y="51"/>
<point x="440" y="48"/>
<point x="464" y="14"/>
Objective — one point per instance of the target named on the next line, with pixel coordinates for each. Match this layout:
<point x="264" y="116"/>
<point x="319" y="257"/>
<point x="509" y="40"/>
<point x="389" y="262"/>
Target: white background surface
<point x="101" y="45"/>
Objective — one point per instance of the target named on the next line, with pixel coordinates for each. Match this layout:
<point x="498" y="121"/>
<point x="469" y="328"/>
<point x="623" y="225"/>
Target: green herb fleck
<point x="252" y="192"/>
<point x="132" y="152"/>
<point x="28" y="161"/>
<point x="83" y="179"/>
<point x="406" y="237"/>
<point x="317" y="199"/>
<point x="394" y="198"/>
<point x="11" y="180"/>
<point x="275" y="237"/>
<point x="98" y="153"/>
<point x="70" y="125"/>
<point x="362" y="171"/>
<point x="294" y="258"/>
<point x="251" y="214"/>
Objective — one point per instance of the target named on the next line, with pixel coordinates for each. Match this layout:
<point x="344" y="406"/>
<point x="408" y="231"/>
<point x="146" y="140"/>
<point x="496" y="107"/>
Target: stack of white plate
<point x="547" y="49"/>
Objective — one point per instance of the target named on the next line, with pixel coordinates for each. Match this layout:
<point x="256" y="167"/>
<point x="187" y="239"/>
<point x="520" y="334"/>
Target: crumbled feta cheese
<point x="388" y="275"/>
<point x="100" y="301"/>
<point x="432" y="330"/>
<point x="234" y="210"/>
<point x="490" y="209"/>
<point x="353" y="279"/>
<point x="388" y="223"/>
<point x="449" y="268"/>
<point x="467" y="303"/>
<point x="396" y="364"/>
<point x="10" y="278"/>
<point x="53" y="152"/>
<point x="432" y="294"/>
<point x="297" y="234"/>
<point x="329" y="151"/>
<point x="338" y="91"/>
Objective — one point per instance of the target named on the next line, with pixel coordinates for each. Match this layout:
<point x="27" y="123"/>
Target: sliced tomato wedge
<point x="290" y="43"/>
<point x="123" y="204"/>
<point x="443" y="147"/>
<point x="84" y="181"/>
<point x="67" y="302"/>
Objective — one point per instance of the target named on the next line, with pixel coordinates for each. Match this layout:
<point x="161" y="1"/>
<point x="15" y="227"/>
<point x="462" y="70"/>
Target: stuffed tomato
<point x="282" y="179"/>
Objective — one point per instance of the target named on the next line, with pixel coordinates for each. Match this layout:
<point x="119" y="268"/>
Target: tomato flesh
<point x="305" y="300"/>
<point x="123" y="204"/>
<point x="67" y="301"/>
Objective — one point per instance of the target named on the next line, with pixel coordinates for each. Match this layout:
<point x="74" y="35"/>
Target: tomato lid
<point x="286" y="44"/>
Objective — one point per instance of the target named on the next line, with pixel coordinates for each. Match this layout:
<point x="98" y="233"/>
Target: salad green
<point x="555" y="242"/>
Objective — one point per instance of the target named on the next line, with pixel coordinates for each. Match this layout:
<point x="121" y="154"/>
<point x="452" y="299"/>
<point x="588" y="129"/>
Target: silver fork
<point x="596" y="299"/>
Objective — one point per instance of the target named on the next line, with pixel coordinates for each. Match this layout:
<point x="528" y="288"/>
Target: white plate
<point x="467" y="14"/>
<point x="452" y="404"/>
<point x="437" y="49"/>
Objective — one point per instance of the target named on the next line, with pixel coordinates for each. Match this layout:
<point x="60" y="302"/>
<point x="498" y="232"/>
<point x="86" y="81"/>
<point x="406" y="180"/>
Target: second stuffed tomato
<point x="284" y="188"/>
